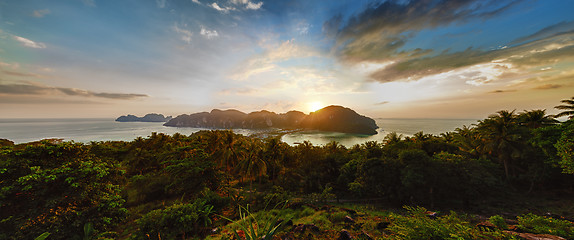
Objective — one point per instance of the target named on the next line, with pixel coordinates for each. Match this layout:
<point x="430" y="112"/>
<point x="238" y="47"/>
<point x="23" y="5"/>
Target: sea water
<point x="88" y="130"/>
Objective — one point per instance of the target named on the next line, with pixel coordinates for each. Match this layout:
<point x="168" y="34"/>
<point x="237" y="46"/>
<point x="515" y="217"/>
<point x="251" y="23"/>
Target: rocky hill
<point x="152" y="117"/>
<point x="331" y="119"/>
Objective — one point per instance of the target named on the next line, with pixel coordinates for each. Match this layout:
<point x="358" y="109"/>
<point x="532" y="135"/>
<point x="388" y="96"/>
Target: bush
<point x="498" y="221"/>
<point x="417" y="225"/>
<point x="57" y="188"/>
<point x="539" y="224"/>
<point x="176" y="221"/>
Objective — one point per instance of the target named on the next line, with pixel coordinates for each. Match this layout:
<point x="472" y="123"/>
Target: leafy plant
<point x="417" y="225"/>
<point x="253" y="227"/>
<point x="42" y="236"/>
<point x="179" y="219"/>
<point x="546" y="225"/>
<point x="498" y="221"/>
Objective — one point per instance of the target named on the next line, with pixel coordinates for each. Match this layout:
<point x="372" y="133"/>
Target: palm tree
<point x="468" y="140"/>
<point x="568" y="108"/>
<point x="501" y="137"/>
<point x="274" y="155"/>
<point x="227" y="148"/>
<point x="392" y="138"/>
<point x="420" y="137"/>
<point x="448" y="137"/>
<point x="536" y="119"/>
<point x="252" y="165"/>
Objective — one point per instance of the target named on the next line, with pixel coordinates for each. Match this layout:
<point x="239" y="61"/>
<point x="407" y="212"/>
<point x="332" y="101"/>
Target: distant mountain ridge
<point x="331" y="119"/>
<point x="151" y="117"/>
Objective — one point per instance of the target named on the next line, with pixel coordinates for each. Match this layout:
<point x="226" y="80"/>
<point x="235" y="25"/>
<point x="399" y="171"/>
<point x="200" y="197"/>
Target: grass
<point x="409" y="223"/>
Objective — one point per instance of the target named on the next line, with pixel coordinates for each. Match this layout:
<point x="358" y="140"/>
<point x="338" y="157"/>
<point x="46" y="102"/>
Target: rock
<point x="340" y="119"/>
<point x="348" y="219"/>
<point x="151" y="117"/>
<point x="331" y="119"/>
<point x="313" y="228"/>
<point x="301" y="228"/>
<point x="432" y="215"/>
<point x="344" y="235"/>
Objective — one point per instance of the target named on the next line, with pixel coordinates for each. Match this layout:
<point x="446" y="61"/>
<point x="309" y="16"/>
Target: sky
<point x="390" y="59"/>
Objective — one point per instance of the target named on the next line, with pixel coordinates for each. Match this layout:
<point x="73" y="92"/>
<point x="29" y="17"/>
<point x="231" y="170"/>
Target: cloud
<point x="196" y="1"/>
<point x="382" y="28"/>
<point x="502" y="91"/>
<point x="19" y="74"/>
<point x="34" y="89"/>
<point x="185" y="34"/>
<point x="29" y="43"/>
<point x="332" y="27"/>
<point x="221" y="9"/>
<point x="302" y="28"/>
<point x="41" y="13"/>
<point x="382" y="103"/>
<point x="267" y="60"/>
<point x="559" y="28"/>
<point x="549" y="86"/>
<point x="240" y="91"/>
<point x="247" y="4"/>
<point x="89" y="3"/>
<point x="532" y="54"/>
<point x="160" y="3"/>
<point x="254" y="6"/>
<point x="209" y="34"/>
<point x="10" y="65"/>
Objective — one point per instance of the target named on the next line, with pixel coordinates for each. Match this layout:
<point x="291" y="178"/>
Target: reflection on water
<point x="87" y="130"/>
<point x="406" y="127"/>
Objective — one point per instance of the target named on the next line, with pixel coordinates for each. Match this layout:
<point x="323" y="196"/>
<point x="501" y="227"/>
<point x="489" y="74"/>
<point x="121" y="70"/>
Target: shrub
<point x="57" y="188"/>
<point x="258" y="226"/>
<point x="183" y="220"/>
<point x="417" y="225"/>
<point x="498" y="221"/>
<point x="539" y="224"/>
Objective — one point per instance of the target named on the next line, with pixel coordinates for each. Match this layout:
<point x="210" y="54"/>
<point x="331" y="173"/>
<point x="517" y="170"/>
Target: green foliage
<point x="184" y="170"/>
<point x="498" y="221"/>
<point x="57" y="187"/>
<point x="277" y="195"/>
<point x="182" y="220"/>
<point x="337" y="217"/>
<point x="417" y="225"/>
<point x="256" y="227"/>
<point x="43" y="236"/>
<point x="321" y="197"/>
<point x="74" y="190"/>
<point x="546" y="225"/>
<point x="565" y="149"/>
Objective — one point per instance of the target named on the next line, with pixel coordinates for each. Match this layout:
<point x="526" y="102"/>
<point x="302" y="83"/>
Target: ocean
<point x="97" y="129"/>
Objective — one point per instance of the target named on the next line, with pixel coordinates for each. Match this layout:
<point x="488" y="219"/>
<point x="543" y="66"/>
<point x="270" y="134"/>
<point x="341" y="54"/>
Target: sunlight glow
<point x="314" y="106"/>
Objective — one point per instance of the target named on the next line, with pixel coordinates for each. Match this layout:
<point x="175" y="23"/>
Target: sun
<point x="314" y="106"/>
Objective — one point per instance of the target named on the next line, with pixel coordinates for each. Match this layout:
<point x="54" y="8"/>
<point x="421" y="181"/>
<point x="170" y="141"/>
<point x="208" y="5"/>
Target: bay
<point x="103" y="129"/>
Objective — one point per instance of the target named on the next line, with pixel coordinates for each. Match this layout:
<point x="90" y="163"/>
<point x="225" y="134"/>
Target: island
<point x="151" y="117"/>
<point x="329" y="119"/>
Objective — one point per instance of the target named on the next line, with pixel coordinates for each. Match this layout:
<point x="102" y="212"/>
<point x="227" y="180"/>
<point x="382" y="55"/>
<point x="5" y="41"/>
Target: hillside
<point x="330" y="119"/>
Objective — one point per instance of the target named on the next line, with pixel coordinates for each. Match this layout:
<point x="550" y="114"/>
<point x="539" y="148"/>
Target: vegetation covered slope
<point x="331" y="118"/>
<point x="185" y="187"/>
